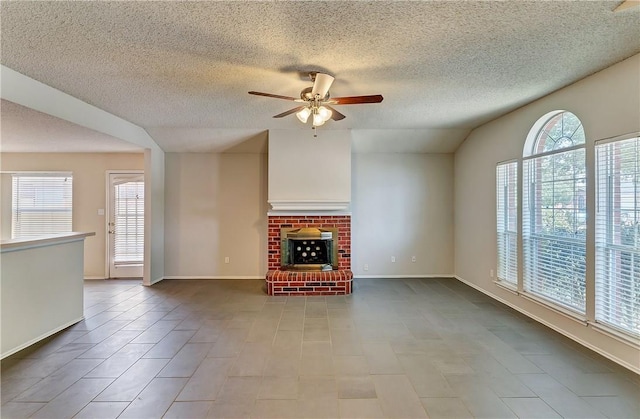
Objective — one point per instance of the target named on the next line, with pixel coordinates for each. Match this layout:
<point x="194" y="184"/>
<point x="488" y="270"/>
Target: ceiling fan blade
<point x="290" y="111"/>
<point x="321" y="85"/>
<point x="355" y="100"/>
<point x="270" y="95"/>
<point x="335" y="115"/>
<point x="626" y="5"/>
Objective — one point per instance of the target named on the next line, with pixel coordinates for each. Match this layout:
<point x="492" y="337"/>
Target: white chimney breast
<point x="309" y="173"/>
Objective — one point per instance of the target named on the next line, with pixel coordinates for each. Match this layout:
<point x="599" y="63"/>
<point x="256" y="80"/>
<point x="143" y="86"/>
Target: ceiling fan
<point x="316" y="101"/>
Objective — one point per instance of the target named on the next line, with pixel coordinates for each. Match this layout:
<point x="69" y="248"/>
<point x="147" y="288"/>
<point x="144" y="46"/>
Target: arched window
<point x="554" y="211"/>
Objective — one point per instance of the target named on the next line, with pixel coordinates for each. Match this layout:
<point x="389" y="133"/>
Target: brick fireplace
<point x="309" y="282"/>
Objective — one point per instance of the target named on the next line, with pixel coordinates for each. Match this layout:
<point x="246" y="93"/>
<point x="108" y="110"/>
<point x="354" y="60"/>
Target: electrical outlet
<point x="491" y="273"/>
<point x="393" y="259"/>
<point x="226" y="259"/>
<point x="413" y="259"/>
<point x="366" y="266"/>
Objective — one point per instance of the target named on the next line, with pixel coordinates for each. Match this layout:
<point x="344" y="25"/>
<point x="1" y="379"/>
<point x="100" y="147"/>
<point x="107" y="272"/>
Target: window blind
<point x="507" y="221"/>
<point x="554" y="228"/>
<point x="41" y="204"/>
<point x="128" y="223"/>
<point x="618" y="235"/>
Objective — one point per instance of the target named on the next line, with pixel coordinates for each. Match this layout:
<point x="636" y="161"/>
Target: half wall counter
<point x="41" y="287"/>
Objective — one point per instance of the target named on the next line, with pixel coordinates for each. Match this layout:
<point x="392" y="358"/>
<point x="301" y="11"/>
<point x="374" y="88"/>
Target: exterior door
<point x="126" y="225"/>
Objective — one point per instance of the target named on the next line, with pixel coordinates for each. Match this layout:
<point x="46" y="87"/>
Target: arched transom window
<point x="562" y="130"/>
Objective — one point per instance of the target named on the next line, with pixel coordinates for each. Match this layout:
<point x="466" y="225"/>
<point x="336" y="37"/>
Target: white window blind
<point x="129" y="223"/>
<point x="554" y="214"/>
<point x="554" y="228"/>
<point x="41" y="204"/>
<point x="618" y="235"/>
<point x="507" y="221"/>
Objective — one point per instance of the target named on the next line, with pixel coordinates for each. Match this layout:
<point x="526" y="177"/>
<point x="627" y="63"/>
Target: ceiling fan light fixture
<point x="318" y="120"/>
<point x="325" y="113"/>
<point x="303" y="115"/>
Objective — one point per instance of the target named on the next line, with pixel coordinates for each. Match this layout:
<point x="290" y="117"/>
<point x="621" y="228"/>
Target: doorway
<point x="125" y="249"/>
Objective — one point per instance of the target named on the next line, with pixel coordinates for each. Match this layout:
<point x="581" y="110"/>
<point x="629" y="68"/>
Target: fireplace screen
<point x="308" y="249"/>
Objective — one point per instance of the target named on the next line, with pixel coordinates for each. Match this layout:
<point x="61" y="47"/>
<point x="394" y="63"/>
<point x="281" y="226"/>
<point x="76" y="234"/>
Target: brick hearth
<point x="336" y="282"/>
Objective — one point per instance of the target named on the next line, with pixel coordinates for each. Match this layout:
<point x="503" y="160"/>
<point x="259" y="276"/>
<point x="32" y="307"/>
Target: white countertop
<point x="19" y="244"/>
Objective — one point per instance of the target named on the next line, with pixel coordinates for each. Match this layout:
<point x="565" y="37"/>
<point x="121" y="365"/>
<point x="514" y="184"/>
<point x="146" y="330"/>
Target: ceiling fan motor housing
<point x="307" y="96"/>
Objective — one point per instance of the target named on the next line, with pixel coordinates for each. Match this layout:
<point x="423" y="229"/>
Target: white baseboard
<point x="39" y="338"/>
<point x="215" y="277"/>
<point x="550" y="325"/>
<point x="449" y="276"/>
<point x="94" y="277"/>
<point x="383" y="276"/>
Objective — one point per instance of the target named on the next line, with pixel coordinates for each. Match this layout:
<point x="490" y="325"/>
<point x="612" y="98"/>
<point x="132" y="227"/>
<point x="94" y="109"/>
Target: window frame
<point x="27" y="229"/>
<point x="531" y="284"/>
<point x="507" y="275"/>
<point x="605" y="246"/>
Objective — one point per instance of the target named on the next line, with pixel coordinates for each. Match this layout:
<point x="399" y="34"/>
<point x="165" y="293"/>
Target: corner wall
<point x="608" y="104"/>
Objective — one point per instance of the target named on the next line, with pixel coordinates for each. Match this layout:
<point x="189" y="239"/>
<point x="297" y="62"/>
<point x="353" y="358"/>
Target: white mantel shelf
<point x="307" y="213"/>
<point x="293" y="205"/>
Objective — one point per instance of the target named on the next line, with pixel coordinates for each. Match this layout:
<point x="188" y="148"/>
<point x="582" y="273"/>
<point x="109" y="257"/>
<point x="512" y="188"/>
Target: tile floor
<point x="395" y="348"/>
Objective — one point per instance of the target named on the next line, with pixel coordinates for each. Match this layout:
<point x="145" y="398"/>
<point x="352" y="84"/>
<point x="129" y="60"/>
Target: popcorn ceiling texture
<point x="182" y="70"/>
<point x="25" y="129"/>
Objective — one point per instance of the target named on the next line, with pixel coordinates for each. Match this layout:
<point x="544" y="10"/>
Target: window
<point x="507" y="221"/>
<point x="41" y="204"/>
<point x="128" y="222"/>
<point x="618" y="235"/>
<point x="554" y="211"/>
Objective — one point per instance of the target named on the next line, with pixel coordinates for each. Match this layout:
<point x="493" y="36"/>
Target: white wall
<point x="89" y="192"/>
<point x="154" y="191"/>
<point x="307" y="169"/>
<point x="402" y="206"/>
<point x="216" y="206"/>
<point x="40" y="295"/>
<point x="608" y="104"/>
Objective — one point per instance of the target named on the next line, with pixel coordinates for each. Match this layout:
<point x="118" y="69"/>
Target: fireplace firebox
<point x="293" y="274"/>
<point x="309" y="249"/>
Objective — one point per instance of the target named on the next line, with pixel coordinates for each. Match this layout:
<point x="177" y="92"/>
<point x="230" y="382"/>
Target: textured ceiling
<point x="26" y="130"/>
<point x="182" y="70"/>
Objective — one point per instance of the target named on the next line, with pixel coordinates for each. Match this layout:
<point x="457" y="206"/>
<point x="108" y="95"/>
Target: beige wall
<point x="89" y="192"/>
<point x="608" y="104"/>
<point x="215" y="207"/>
<point x="303" y="168"/>
<point x="402" y="206"/>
